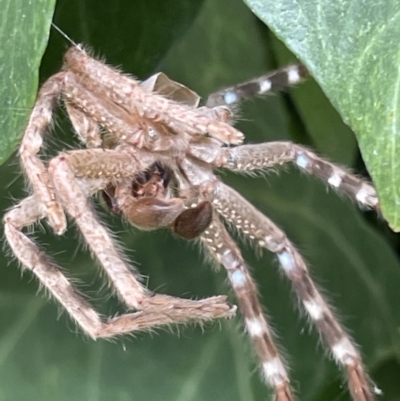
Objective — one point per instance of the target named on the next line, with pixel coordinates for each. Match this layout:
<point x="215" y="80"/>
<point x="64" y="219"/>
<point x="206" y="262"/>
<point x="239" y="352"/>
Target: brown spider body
<point x="157" y="170"/>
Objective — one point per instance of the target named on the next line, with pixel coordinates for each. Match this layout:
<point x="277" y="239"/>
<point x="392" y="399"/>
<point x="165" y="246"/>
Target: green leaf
<point x="351" y="49"/>
<point x="24" y="30"/>
<point x="45" y="358"/>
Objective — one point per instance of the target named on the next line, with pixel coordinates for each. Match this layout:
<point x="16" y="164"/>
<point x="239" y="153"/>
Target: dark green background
<point x="205" y="45"/>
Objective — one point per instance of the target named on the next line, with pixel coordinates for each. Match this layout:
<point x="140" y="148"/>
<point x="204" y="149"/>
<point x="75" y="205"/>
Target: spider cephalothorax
<point x="150" y="208"/>
<point x="157" y="170"/>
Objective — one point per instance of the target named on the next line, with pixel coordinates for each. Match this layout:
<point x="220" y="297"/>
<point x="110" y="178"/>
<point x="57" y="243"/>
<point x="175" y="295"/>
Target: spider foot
<point x="189" y="309"/>
<point x="163" y="310"/>
<point x="358" y="384"/>
<point x="284" y="393"/>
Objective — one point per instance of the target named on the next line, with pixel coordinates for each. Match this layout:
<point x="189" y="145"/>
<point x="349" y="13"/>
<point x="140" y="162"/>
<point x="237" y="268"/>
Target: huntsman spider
<point x="151" y="153"/>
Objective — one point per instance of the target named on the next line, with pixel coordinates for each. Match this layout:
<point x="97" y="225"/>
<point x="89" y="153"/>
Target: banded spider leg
<point x="261" y="230"/>
<point x="272" y="82"/>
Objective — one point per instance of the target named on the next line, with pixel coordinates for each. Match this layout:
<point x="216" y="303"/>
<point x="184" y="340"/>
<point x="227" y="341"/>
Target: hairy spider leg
<point x="250" y="158"/>
<point x="106" y="165"/>
<point x="223" y="249"/>
<point x="257" y="227"/>
<point x="156" y="310"/>
<point x="125" y="91"/>
<point x="57" y="284"/>
<point x="263" y="85"/>
<point x="32" y="141"/>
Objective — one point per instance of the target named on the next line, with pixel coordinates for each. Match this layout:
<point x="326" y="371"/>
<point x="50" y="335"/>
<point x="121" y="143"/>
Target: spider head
<point x="151" y="207"/>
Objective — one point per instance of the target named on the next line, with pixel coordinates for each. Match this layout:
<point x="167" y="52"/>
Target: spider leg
<point x="262" y="156"/>
<point x="103" y="164"/>
<point x="266" y="234"/>
<point x="86" y="129"/>
<point x="126" y="92"/>
<point x="271" y="82"/>
<point x="52" y="278"/>
<point x="39" y="122"/>
<point x="115" y="119"/>
<point x="31" y="144"/>
<point x="220" y="245"/>
<point x="27" y="212"/>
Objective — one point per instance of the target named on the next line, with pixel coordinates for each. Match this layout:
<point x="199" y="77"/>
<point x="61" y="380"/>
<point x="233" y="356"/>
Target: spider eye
<point x="192" y="222"/>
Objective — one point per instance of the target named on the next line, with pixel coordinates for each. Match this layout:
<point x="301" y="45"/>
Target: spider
<point x="151" y="152"/>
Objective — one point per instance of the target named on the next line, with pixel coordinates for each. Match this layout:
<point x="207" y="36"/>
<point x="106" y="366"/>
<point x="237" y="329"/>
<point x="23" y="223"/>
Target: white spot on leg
<point x="302" y="161"/>
<point x="286" y="260"/>
<point x="230" y="97"/>
<point x="238" y="278"/>
<point x="315" y="308"/>
<point x="344" y="352"/>
<point x="293" y="76"/>
<point x="361" y="196"/>
<point x="265" y="86"/>
<point x="335" y="180"/>
<point x="274" y="372"/>
<point x="254" y="327"/>
<point x="367" y="196"/>
<point x="228" y="259"/>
